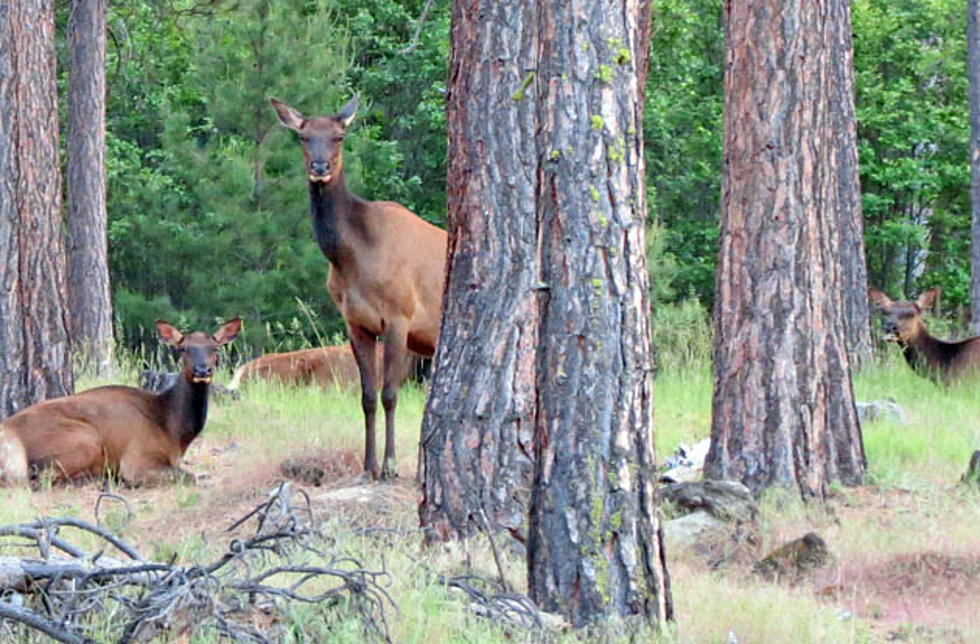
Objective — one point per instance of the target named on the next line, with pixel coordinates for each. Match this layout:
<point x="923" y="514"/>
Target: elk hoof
<point x="389" y="473"/>
<point x="368" y="476"/>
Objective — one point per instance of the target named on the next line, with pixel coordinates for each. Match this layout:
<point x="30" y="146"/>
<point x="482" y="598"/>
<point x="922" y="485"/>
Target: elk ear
<point x="288" y="116"/>
<point x="880" y="299"/>
<point x="928" y="299"/>
<point x="347" y="112"/>
<point x="228" y="331"/>
<point x="169" y="334"/>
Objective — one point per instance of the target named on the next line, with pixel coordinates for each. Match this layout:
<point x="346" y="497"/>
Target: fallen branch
<point x="74" y="591"/>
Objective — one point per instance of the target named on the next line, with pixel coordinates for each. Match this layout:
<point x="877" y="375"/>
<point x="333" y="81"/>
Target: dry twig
<point x="261" y="575"/>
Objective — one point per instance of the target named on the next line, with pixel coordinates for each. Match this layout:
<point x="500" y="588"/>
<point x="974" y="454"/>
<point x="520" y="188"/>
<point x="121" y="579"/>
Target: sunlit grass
<point x="714" y="607"/>
<point x="269" y="423"/>
<point x="942" y="431"/>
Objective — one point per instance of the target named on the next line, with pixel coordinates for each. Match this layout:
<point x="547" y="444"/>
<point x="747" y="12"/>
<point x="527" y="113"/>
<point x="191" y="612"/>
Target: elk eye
<point x="338" y="139"/>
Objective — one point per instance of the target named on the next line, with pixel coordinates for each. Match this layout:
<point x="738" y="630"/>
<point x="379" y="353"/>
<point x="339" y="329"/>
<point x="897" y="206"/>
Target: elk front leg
<point x="137" y="470"/>
<point x="364" y="345"/>
<point x="396" y="340"/>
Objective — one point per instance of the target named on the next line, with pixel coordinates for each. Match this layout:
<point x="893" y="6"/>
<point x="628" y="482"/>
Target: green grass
<point x="934" y="446"/>
<point x="270" y="423"/>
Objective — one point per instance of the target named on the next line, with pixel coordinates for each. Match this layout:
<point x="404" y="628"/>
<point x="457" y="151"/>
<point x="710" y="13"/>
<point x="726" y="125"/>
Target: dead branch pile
<point x="247" y="594"/>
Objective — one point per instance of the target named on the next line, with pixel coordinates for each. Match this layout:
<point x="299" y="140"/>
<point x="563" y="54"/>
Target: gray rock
<point x="724" y="500"/>
<point x="691" y="529"/>
<point x="878" y="410"/>
<point x="686" y="463"/>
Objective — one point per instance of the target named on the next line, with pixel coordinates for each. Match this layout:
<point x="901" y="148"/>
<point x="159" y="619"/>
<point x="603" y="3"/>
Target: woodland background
<point x="207" y="204"/>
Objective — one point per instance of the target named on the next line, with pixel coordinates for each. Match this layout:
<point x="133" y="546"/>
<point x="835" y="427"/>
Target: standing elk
<point x="115" y="430"/>
<point x="387" y="267"/>
<point x="928" y="356"/>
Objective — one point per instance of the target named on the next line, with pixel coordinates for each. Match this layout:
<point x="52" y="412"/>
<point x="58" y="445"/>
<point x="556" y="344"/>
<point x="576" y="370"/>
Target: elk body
<point x="115" y="430"/>
<point x="929" y="356"/>
<point x="387" y="267"/>
<point x="323" y="366"/>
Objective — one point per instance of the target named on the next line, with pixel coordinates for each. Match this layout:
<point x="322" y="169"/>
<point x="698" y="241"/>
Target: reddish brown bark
<point x="34" y="348"/>
<point x="840" y="103"/>
<point x="479" y="420"/>
<point x="546" y="314"/>
<point x="783" y="402"/>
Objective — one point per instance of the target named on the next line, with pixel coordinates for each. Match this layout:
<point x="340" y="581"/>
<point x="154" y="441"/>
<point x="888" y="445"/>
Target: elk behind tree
<point x="116" y="430"/>
<point x="927" y="355"/>
<point x="387" y="268"/>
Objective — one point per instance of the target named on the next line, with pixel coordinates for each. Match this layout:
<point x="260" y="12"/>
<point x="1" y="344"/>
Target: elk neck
<point x="927" y="354"/>
<point x="338" y="221"/>
<point x="185" y="407"/>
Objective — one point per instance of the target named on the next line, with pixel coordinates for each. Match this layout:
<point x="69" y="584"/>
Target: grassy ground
<point x="906" y="546"/>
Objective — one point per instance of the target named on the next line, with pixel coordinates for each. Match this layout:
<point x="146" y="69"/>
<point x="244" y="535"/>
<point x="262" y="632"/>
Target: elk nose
<point x="319" y="168"/>
<point x="202" y="372"/>
<point x="890" y="327"/>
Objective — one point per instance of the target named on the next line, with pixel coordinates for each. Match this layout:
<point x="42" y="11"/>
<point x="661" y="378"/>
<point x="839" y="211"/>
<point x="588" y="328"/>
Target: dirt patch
<point x="323" y="467"/>
<point x="916" y="596"/>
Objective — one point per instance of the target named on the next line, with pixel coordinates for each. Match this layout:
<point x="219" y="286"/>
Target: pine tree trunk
<point x="594" y="547"/>
<point x="479" y="417"/>
<point x="854" y="269"/>
<point x="973" y="71"/>
<point x="88" y="282"/>
<point x="784" y="409"/>
<point x="546" y="314"/>
<point x="35" y="356"/>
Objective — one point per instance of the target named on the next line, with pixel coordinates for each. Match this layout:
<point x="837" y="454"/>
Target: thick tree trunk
<point x="35" y="356"/>
<point x="545" y="331"/>
<point x="88" y="281"/>
<point x="479" y="418"/>
<point x="594" y="546"/>
<point x="783" y="402"/>
<point x="973" y="71"/>
<point x="854" y="268"/>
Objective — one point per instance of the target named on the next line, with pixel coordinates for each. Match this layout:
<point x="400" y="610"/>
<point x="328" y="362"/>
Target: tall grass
<point x="270" y="423"/>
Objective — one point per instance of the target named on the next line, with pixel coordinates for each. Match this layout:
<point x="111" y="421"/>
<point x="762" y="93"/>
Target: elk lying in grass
<point x="929" y="356"/>
<point x="387" y="268"/>
<point x="323" y="366"/>
<point x="118" y="431"/>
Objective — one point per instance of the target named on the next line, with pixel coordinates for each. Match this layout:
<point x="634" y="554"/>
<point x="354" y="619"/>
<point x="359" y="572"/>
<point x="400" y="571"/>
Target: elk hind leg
<point x="364" y="345"/>
<point x="72" y="450"/>
<point x="396" y="346"/>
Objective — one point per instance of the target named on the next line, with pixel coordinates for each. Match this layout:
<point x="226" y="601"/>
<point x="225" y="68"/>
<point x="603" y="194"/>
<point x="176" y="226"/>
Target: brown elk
<point x="929" y="356"/>
<point x="387" y="268"/>
<point x="120" y="431"/>
<point x="324" y="366"/>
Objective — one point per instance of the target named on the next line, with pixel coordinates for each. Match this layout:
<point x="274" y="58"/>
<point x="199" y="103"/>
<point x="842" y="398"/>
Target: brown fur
<point x="115" y="430"/>
<point x="387" y="268"/>
<point x="323" y="366"/>
<point x="930" y="356"/>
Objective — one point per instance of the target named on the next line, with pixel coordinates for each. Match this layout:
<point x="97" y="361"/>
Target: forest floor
<point x="905" y="546"/>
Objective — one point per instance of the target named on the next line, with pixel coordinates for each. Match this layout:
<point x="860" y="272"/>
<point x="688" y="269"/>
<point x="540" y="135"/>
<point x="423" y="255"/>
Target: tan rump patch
<point x="13" y="459"/>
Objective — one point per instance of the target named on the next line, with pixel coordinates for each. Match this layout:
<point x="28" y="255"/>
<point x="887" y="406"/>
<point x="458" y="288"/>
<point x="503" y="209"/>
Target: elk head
<point x="903" y="320"/>
<point x="322" y="138"/>
<point x="199" y="350"/>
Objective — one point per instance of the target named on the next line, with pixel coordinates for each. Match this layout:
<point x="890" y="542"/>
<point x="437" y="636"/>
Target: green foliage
<point x="912" y="130"/>
<point x="207" y="198"/>
<point x="914" y="138"/>
<point x="208" y="204"/>
<point x="683" y="136"/>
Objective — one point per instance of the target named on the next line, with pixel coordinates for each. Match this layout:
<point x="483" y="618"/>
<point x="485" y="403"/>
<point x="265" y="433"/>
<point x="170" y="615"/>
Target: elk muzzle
<point x="319" y="171"/>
